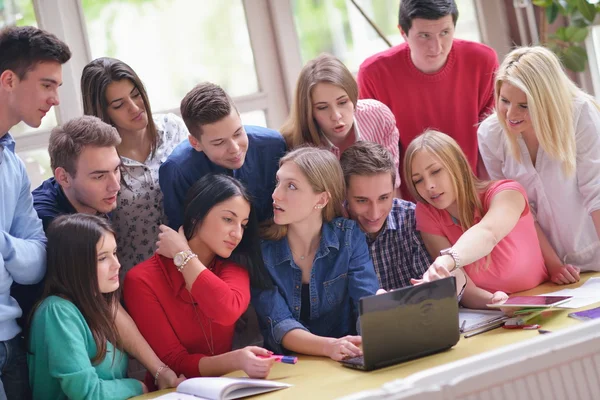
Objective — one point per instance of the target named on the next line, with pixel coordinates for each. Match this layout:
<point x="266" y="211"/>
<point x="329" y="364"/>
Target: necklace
<point x="296" y="255"/>
<point x="302" y="257"/>
<point x="211" y="344"/>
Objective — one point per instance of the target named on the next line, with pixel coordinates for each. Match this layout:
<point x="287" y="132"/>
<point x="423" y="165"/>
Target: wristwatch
<point x="452" y="253"/>
<point x="180" y="257"/>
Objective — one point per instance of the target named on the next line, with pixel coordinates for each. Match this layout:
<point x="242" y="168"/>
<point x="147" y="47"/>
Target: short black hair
<point x="425" y="9"/>
<point x="23" y="47"/>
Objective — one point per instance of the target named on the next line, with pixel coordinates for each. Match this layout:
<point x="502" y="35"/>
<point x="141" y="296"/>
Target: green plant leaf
<point x="542" y="3"/>
<point x="574" y="58"/>
<point x="552" y="12"/>
<point x="561" y="34"/>
<point x="587" y="10"/>
<point x="576" y="34"/>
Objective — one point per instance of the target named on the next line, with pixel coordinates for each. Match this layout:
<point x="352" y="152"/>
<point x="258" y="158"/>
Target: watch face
<point x="178" y="259"/>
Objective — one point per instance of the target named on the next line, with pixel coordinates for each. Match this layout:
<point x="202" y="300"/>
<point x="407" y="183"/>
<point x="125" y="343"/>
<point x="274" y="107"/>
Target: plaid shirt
<point x="398" y="251"/>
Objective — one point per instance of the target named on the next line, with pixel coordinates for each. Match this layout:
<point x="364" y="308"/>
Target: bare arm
<point x="479" y="240"/>
<point x="434" y="244"/>
<point x="559" y="273"/>
<point x="134" y="343"/>
<point x="596" y="219"/>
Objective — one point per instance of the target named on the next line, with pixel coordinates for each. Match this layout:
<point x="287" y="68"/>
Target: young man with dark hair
<point x="86" y="166"/>
<point x="219" y="143"/>
<point x="433" y="80"/>
<point x="30" y="74"/>
<point x="396" y="248"/>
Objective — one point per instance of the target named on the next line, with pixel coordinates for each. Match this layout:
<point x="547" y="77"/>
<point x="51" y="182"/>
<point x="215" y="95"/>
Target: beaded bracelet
<point x="160" y="369"/>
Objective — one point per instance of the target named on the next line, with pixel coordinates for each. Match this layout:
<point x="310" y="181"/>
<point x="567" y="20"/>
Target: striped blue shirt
<point x="398" y="251"/>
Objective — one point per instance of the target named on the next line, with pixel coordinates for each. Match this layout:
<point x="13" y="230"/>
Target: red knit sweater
<point x="453" y="100"/>
<point x="178" y="324"/>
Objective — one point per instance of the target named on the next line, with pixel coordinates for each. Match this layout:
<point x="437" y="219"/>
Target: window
<point x="175" y="44"/>
<point x="337" y="27"/>
<point x="21" y="13"/>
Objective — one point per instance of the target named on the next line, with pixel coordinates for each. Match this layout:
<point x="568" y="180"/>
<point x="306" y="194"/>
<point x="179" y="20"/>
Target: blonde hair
<point x="300" y="127"/>
<point x="324" y="174"/>
<point x="466" y="186"/>
<point x="538" y="73"/>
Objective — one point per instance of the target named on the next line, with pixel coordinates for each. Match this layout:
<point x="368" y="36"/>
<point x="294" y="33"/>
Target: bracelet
<point x="188" y="258"/>
<point x="462" y="290"/>
<point x="158" y="371"/>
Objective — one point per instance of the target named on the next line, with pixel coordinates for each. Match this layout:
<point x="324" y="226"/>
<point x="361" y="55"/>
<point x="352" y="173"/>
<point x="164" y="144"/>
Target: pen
<point x="283" y="359"/>
<point x="463" y="326"/>
<point x="487" y="328"/>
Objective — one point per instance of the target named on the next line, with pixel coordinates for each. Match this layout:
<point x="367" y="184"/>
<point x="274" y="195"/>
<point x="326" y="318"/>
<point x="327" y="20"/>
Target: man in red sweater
<point x="433" y="80"/>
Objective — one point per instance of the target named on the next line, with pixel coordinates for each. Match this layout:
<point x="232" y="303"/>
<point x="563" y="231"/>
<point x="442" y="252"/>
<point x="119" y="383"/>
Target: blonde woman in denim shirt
<point x="319" y="262"/>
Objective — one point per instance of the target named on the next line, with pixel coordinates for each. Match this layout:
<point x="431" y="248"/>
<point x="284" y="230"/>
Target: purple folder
<point x="586" y="315"/>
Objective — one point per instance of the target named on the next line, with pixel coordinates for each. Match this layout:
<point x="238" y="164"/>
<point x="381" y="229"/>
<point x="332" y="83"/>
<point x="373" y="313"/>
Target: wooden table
<point x="322" y="378"/>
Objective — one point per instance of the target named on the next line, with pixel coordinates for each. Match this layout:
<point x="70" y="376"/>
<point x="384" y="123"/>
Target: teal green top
<point x="60" y="353"/>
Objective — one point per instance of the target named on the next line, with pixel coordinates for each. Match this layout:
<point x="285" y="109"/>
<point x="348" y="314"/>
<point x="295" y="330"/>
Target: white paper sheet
<point x="583" y="296"/>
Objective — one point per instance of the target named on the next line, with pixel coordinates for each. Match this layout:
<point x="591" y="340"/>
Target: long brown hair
<point x="96" y="77"/>
<point x="324" y="174"/>
<point x="301" y="127"/>
<point x="466" y="185"/>
<point x="72" y="273"/>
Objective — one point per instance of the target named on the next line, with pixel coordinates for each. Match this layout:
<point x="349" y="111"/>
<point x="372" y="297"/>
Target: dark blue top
<point x="341" y="274"/>
<point x="185" y="166"/>
<point x="50" y="201"/>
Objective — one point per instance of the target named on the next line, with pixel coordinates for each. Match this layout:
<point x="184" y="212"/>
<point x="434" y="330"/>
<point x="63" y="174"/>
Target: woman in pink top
<point x="484" y="226"/>
<point x="327" y="113"/>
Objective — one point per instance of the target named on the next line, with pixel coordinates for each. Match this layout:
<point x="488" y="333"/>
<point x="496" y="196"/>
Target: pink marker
<point x="283" y="359"/>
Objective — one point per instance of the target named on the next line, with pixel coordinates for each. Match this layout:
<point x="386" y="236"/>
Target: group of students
<point x="156" y="233"/>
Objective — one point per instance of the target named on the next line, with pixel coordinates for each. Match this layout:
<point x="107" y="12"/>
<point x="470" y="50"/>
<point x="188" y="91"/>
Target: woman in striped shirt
<point x="327" y="113"/>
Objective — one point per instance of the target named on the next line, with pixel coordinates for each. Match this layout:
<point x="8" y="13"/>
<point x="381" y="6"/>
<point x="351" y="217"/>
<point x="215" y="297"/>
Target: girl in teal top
<point x="74" y="347"/>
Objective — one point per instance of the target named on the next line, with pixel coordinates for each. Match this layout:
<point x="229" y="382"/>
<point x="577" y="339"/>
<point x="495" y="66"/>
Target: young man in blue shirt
<point x="395" y="246"/>
<point x="30" y="74"/>
<point x="218" y="142"/>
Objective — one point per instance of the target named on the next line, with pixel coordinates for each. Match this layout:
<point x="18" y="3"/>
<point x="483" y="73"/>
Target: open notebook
<point x="222" y="388"/>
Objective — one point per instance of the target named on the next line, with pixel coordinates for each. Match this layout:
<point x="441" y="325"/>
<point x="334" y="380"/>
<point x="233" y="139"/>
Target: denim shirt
<point x="341" y="274"/>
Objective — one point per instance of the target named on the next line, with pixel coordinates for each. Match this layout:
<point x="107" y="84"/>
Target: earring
<point x="319" y="206"/>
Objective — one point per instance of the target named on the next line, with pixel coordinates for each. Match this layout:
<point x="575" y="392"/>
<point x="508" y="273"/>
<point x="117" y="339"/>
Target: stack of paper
<point x="470" y="320"/>
<point x="583" y="296"/>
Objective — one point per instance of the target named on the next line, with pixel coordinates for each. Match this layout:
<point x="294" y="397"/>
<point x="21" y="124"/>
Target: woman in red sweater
<point x="187" y="298"/>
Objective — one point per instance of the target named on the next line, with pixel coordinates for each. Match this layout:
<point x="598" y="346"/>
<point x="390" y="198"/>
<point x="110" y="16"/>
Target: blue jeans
<point x="14" y="383"/>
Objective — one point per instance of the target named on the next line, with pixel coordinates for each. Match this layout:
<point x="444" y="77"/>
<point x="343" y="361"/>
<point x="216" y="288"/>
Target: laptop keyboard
<point x="359" y="361"/>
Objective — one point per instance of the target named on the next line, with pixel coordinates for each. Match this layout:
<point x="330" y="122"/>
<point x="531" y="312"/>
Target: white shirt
<point x="561" y="204"/>
<point x="140" y="210"/>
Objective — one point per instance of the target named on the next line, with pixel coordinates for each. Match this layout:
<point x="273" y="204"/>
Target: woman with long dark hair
<point x="187" y="298"/>
<point x="75" y="348"/>
<point x="113" y="92"/>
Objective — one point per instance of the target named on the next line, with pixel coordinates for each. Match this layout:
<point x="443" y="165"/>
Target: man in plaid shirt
<point x="396" y="248"/>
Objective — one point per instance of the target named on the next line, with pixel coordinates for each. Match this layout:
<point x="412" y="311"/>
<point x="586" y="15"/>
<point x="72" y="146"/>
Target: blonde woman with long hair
<point x="319" y="262"/>
<point x="327" y="112"/>
<point x="545" y="135"/>
<point x="484" y="227"/>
